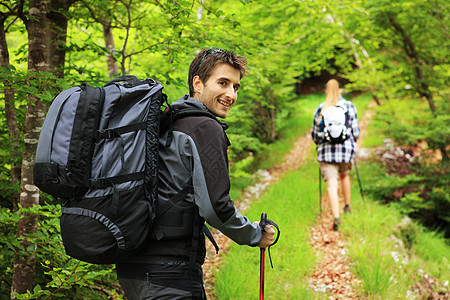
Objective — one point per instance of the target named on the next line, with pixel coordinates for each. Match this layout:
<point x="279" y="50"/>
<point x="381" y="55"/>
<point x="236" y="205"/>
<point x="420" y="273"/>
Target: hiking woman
<point x="335" y="154"/>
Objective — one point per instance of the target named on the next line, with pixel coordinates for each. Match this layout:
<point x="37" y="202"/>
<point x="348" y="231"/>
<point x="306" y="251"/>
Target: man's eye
<point x="222" y="82"/>
<point x="236" y="88"/>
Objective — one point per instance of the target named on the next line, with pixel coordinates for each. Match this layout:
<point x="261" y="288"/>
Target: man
<point x="335" y="158"/>
<point x="193" y="188"/>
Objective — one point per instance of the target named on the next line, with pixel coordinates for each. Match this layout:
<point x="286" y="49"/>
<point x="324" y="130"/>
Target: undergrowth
<point x="392" y="253"/>
<point x="416" y="182"/>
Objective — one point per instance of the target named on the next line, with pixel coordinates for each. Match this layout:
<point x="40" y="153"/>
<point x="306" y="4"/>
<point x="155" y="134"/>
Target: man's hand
<point x="267" y="236"/>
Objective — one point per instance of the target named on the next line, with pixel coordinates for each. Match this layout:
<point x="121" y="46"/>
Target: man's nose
<point x="231" y="93"/>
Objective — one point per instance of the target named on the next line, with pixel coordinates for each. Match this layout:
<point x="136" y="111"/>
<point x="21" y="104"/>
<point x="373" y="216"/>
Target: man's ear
<point x="197" y="84"/>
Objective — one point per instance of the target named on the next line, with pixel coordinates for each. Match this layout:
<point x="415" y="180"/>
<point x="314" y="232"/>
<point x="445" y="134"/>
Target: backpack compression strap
<point x="111" y="133"/>
<point x="101" y="183"/>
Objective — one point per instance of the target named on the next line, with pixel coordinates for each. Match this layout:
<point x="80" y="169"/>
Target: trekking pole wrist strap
<point x="263" y="225"/>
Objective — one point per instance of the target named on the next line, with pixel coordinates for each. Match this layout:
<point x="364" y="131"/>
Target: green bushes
<point x="57" y="275"/>
<point x="390" y="252"/>
<point x="393" y="254"/>
<point x="415" y="178"/>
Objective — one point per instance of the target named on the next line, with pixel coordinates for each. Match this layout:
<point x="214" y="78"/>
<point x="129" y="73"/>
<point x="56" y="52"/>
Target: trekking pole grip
<point x="263" y="221"/>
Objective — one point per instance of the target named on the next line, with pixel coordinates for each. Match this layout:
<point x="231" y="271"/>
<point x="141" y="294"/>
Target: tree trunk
<point x="109" y="43"/>
<point x="46" y="48"/>
<point x="377" y="100"/>
<point x="411" y="52"/>
<point x="273" y="115"/>
<point x="56" y="36"/>
<point x="10" y="113"/>
<point x="200" y="10"/>
<point x="25" y="261"/>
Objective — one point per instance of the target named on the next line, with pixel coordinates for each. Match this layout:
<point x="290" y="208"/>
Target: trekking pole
<point x="264" y="221"/>
<point x="320" y="190"/>
<point x="262" y="259"/>
<point x="359" y="180"/>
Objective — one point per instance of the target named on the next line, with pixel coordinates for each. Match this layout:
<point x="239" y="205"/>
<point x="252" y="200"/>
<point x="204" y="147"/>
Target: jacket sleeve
<point x="316" y="128"/>
<point x="212" y="185"/>
<point x="354" y="120"/>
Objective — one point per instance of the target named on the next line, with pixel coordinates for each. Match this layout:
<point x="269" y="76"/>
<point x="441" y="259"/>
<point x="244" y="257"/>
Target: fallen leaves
<point x="332" y="274"/>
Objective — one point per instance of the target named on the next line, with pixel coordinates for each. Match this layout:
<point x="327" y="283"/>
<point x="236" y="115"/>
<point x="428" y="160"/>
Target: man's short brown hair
<point x="207" y="60"/>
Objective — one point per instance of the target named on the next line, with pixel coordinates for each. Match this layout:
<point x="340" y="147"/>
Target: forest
<point x="396" y="53"/>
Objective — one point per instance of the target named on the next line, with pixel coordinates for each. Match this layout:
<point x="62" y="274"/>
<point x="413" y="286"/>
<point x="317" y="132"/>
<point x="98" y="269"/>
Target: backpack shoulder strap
<point x="172" y="114"/>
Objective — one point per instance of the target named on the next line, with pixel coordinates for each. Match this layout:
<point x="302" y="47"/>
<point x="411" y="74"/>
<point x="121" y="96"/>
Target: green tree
<point x="408" y="41"/>
<point x="50" y="36"/>
<point x="38" y="65"/>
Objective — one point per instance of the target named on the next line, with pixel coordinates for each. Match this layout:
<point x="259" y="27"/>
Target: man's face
<point x="219" y="93"/>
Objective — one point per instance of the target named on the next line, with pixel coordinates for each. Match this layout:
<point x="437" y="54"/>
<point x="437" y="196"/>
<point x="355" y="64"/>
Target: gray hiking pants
<point x="171" y="280"/>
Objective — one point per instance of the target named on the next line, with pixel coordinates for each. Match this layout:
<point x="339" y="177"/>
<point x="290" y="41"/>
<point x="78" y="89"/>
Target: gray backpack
<point x="98" y="153"/>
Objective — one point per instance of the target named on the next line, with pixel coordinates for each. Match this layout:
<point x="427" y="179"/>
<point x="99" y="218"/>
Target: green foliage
<point x="20" y="84"/>
<point x="8" y="244"/>
<point x="57" y="275"/>
<point x="433" y="248"/>
<point x="292" y="40"/>
<point x="298" y="119"/>
<point x="402" y="46"/>
<point x="383" y="186"/>
<point x="390" y="252"/>
<point x="423" y="193"/>
<point x="410" y="123"/>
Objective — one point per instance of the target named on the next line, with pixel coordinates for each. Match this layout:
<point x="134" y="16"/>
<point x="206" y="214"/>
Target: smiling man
<point x="193" y="188"/>
<point x="219" y="93"/>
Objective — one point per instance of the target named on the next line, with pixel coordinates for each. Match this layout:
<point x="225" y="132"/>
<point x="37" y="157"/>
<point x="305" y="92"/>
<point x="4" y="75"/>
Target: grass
<point x="379" y="250"/>
<point x="291" y="204"/>
<point x="389" y="254"/>
<point x="373" y="234"/>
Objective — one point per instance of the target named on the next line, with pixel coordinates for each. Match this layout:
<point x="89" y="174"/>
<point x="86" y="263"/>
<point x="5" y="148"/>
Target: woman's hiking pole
<point x="320" y="190"/>
<point x="264" y="221"/>
<point x="262" y="259"/>
<point x="359" y="180"/>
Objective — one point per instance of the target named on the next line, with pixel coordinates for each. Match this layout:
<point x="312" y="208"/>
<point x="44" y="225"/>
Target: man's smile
<point x="224" y="103"/>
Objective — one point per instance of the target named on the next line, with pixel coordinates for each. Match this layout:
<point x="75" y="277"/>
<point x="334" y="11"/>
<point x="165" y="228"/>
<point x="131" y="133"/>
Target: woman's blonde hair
<point x="332" y="94"/>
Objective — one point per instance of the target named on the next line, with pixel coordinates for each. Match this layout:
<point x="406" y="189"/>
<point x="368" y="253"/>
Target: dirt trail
<point x="332" y="273"/>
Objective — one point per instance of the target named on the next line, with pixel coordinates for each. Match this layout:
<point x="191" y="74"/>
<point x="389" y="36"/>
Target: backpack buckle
<point x="106" y="134"/>
<point x="99" y="183"/>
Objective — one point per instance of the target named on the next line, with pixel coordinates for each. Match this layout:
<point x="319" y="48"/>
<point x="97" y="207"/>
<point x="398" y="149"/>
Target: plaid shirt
<point x="336" y="152"/>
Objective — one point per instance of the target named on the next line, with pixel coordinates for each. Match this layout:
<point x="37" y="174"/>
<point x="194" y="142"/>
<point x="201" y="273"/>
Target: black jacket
<point x="197" y="157"/>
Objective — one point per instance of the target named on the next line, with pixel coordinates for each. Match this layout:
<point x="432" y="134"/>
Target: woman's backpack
<point x="335" y="124"/>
